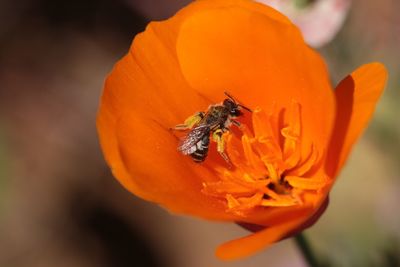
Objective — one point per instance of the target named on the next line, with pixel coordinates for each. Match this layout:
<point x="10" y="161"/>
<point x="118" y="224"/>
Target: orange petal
<point x="143" y="96"/>
<point x="356" y="97"/>
<point x="261" y="59"/>
<point x="248" y="245"/>
<point x="311" y="220"/>
<point x="284" y="223"/>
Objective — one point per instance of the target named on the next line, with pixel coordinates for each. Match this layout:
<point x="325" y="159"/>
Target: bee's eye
<point x="235" y="112"/>
<point x="227" y="103"/>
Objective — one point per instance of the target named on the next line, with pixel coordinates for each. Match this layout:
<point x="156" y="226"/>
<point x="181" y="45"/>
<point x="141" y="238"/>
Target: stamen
<point x="315" y="183"/>
<point x="272" y="172"/>
<point x="306" y="166"/>
<point x="262" y="125"/>
<point x="265" y="135"/>
<point x="252" y="158"/>
<point x="244" y="203"/>
<point x="232" y="202"/>
<point x="283" y="202"/>
<point x="218" y="188"/>
<point x="291" y="133"/>
<point x="266" y="172"/>
<point x="232" y="144"/>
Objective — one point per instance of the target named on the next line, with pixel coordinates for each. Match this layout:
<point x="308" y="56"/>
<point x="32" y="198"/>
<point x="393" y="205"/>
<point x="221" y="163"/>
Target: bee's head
<point x="233" y="107"/>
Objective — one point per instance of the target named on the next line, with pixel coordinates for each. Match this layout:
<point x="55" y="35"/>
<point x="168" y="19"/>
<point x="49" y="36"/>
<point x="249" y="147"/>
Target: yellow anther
<point x="247" y="178"/>
<point x="314" y="183"/>
<point x="291" y="133"/>
<point x="283" y="202"/>
<point x="252" y="158"/>
<point x="272" y="173"/>
<point x="306" y="165"/>
<point x="232" y="202"/>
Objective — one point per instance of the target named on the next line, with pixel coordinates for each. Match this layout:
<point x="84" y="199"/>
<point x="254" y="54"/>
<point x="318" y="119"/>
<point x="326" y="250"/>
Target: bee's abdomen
<point x="200" y="153"/>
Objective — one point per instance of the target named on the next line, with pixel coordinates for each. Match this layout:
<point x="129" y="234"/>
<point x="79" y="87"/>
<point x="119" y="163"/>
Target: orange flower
<point x="291" y="147"/>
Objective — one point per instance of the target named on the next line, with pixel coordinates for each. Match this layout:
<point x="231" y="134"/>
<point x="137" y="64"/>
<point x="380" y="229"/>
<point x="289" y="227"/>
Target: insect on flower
<point x="217" y="120"/>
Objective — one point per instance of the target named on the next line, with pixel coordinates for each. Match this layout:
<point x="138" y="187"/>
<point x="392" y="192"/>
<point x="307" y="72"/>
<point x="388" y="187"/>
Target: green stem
<point x="306" y="250"/>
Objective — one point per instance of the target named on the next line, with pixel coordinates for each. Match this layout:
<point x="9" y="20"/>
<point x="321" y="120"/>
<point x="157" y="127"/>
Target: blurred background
<point x="60" y="206"/>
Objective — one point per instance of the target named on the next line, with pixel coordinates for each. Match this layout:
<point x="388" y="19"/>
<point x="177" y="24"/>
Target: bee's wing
<point x="188" y="144"/>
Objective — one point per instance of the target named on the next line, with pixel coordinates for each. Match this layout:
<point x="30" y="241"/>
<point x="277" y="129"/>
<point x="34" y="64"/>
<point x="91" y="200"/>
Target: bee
<point x="215" y="122"/>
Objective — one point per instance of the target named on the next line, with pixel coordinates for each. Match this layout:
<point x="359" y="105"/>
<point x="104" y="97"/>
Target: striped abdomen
<point x="201" y="149"/>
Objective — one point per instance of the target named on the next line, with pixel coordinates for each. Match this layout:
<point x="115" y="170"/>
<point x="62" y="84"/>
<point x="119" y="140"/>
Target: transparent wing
<point x="188" y="144"/>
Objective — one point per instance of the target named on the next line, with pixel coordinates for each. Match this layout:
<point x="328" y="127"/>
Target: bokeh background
<point x="60" y="206"/>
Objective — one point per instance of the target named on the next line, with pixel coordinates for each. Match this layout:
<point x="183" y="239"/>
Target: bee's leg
<point x="225" y="126"/>
<point x="217" y="137"/>
<point x="190" y="122"/>
<point x="236" y="123"/>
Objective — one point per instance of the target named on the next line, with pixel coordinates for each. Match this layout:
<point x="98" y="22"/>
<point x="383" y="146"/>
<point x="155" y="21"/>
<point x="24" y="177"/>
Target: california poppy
<point x="290" y="149"/>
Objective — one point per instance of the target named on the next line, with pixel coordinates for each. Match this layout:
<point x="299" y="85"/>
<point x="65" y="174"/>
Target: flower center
<point x="269" y="168"/>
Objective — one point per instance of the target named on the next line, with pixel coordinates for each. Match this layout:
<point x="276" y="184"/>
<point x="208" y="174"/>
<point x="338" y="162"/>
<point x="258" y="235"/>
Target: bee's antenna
<point x="233" y="99"/>
<point x="228" y="95"/>
<point x="246" y="108"/>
